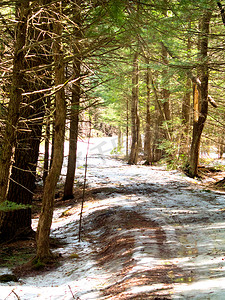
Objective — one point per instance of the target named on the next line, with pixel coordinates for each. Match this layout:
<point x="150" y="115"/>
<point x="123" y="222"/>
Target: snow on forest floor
<point x="148" y="233"/>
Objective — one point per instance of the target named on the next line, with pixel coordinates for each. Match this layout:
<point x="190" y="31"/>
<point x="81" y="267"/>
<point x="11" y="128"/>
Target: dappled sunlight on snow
<point x="148" y="232"/>
<point x="213" y="289"/>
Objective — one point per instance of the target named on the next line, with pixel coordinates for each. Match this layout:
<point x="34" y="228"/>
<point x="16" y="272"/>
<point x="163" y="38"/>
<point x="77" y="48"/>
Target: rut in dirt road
<point x="148" y="233"/>
<point x="123" y="234"/>
<point x="152" y="229"/>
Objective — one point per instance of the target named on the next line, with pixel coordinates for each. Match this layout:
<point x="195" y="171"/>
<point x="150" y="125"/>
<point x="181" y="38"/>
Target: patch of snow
<point x="191" y="219"/>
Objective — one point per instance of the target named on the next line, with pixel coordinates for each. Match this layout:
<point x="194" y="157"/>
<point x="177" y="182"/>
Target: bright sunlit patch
<point x="149" y="288"/>
<point x="215" y="287"/>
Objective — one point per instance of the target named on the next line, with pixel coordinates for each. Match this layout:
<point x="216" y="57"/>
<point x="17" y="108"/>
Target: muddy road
<point x="156" y="232"/>
<point x="147" y="233"/>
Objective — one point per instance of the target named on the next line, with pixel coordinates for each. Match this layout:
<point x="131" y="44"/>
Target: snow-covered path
<point x="191" y="218"/>
<point x="150" y="233"/>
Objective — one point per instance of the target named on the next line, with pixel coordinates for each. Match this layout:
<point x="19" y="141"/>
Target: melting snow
<point x="192" y="220"/>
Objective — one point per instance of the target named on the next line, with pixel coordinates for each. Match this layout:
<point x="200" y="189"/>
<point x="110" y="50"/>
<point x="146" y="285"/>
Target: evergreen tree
<point x="45" y="220"/>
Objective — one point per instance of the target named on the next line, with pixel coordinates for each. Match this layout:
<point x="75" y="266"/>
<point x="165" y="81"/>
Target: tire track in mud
<point x="123" y="237"/>
<point x="151" y="234"/>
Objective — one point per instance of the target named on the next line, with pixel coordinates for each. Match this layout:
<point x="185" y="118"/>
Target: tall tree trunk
<point x="186" y="108"/>
<point x="202" y="109"/>
<point x="147" y="141"/>
<point x="120" y="139"/>
<point x="135" y="121"/>
<point x="186" y="117"/>
<point x="22" y="13"/>
<point x="127" y="128"/>
<point x="45" y="220"/>
<point x="47" y="140"/>
<point x="221" y="145"/>
<point x="52" y="134"/>
<point x="159" y="117"/>
<point x="75" y="103"/>
<point x="165" y="91"/>
<point x="23" y="175"/>
<point x="22" y="181"/>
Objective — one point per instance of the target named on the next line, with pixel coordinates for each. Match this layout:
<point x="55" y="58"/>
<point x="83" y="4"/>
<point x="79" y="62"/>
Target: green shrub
<point x="9" y="206"/>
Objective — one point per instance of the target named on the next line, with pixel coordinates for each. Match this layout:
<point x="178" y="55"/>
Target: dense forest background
<point x="150" y="72"/>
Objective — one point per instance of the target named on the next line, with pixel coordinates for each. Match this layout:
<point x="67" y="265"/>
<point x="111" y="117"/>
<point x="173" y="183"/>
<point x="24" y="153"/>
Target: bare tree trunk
<point x="120" y="139"/>
<point x="147" y="141"/>
<point x="127" y="129"/>
<point x="186" y="111"/>
<point x="75" y="104"/>
<point x="22" y="12"/>
<point x="45" y="220"/>
<point x="52" y="134"/>
<point x="135" y="122"/>
<point x="47" y="140"/>
<point x="221" y="145"/>
<point x="23" y="174"/>
<point x="165" y="91"/>
<point x="159" y="117"/>
<point x="69" y="183"/>
<point x="202" y="108"/>
<point x="185" y="139"/>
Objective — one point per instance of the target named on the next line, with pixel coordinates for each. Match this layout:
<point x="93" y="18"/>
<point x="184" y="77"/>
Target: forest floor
<point x="147" y="233"/>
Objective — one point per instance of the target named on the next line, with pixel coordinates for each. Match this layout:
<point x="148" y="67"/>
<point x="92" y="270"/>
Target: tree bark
<point x="221" y="146"/>
<point x="47" y="139"/>
<point x="22" y="13"/>
<point x="45" y="220"/>
<point x="120" y="139"/>
<point x="186" y="109"/>
<point x="75" y="104"/>
<point x="199" y="120"/>
<point x="159" y="117"/>
<point x="147" y="141"/>
<point x="186" y="103"/>
<point x="165" y="91"/>
<point x="23" y="175"/>
<point x="127" y="128"/>
<point x="135" y="121"/>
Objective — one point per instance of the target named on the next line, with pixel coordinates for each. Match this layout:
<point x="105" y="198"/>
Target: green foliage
<point x="173" y="156"/>
<point x="113" y="30"/>
<point x="116" y="11"/>
<point x="117" y="150"/>
<point x="7" y="206"/>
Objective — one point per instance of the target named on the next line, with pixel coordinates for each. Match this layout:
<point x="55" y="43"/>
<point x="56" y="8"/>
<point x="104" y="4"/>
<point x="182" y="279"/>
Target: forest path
<point x="157" y="234"/>
<point x="147" y="233"/>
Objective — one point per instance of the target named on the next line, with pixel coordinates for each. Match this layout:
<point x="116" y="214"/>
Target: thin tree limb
<point x="84" y="185"/>
<point x="221" y="11"/>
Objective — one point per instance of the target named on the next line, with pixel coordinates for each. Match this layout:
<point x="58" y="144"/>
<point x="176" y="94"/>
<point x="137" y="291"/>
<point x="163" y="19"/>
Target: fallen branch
<point x="13" y="292"/>
<point x="71" y="292"/>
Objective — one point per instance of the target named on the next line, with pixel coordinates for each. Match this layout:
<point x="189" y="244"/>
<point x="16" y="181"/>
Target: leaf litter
<point x="148" y="233"/>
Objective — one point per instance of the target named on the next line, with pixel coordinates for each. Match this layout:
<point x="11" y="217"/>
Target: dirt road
<point x="148" y="233"/>
<point x="156" y="233"/>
